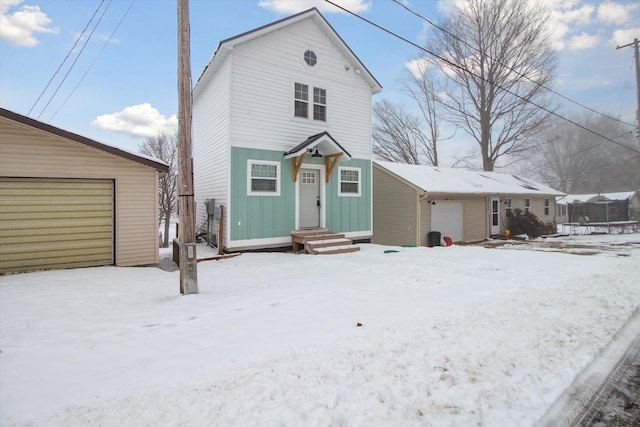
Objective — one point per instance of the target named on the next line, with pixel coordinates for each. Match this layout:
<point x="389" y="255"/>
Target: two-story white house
<point x="282" y="134"/>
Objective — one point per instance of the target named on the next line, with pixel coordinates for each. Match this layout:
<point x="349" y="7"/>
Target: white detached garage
<point x="68" y="201"/>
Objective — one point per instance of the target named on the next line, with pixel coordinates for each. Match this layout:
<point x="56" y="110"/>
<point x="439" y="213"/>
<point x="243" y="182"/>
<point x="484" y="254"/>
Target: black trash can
<point x="433" y="239"/>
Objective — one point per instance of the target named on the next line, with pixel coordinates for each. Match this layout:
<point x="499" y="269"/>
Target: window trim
<point x="251" y="162"/>
<point x="348" y="168"/>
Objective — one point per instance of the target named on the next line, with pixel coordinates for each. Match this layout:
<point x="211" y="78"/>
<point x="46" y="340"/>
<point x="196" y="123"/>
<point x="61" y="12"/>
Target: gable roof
<point x="460" y="181"/>
<point x="225" y="47"/>
<point x="325" y="143"/>
<point x="143" y="160"/>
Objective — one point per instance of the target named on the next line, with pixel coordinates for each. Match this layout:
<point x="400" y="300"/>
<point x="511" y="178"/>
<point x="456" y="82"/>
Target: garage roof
<point x="451" y="180"/>
<point x="144" y="160"/>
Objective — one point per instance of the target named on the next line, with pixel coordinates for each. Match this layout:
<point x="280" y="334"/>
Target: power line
<point x="476" y="75"/>
<point x="444" y="30"/>
<point x="75" y="60"/>
<point x="65" y="58"/>
<point x="106" y="43"/>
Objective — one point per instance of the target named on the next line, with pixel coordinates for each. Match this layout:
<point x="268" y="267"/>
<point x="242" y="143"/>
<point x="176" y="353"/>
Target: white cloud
<point x="583" y="41"/>
<point x="20" y="26"/>
<point x="615" y="13"/>
<point x="622" y="37"/>
<point x="294" y="6"/>
<point x="138" y="120"/>
<point x="417" y="67"/>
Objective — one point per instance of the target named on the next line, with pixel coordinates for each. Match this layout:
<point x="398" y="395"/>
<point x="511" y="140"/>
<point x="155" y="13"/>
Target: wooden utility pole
<point x="186" y="204"/>
<point x="636" y="56"/>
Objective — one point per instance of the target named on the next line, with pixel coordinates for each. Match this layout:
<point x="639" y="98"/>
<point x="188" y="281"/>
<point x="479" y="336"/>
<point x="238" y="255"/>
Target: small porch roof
<point x="324" y="142"/>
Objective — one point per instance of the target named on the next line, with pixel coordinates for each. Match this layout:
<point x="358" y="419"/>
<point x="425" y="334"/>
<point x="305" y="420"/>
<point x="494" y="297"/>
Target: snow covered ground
<point x="464" y="335"/>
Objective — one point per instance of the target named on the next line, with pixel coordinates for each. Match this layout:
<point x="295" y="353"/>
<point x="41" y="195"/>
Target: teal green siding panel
<point x="274" y="216"/>
<point x="350" y="214"/>
<point x="259" y="217"/>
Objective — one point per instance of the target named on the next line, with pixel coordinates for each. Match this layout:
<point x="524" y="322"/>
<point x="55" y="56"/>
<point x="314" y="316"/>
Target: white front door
<point x="309" y="200"/>
<point x="495" y="217"/>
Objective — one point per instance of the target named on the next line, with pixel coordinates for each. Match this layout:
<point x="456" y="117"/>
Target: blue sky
<point x="129" y="89"/>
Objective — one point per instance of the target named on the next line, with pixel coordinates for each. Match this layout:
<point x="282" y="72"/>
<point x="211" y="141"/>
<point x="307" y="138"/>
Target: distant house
<point x="409" y="201"/>
<point x="282" y="135"/>
<point x="599" y="208"/>
<point x="69" y="201"/>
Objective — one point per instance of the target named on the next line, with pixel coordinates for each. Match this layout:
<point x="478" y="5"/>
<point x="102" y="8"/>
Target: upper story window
<point x="319" y="104"/>
<point x="348" y="181"/>
<point x="302" y="102"/>
<point x="310" y="58"/>
<point x="263" y="178"/>
<point x="527" y="205"/>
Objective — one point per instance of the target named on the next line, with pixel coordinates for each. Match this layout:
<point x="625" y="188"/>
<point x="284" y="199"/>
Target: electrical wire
<point x="106" y="43"/>
<point x="476" y="75"/>
<point x="75" y="60"/>
<point x="65" y="58"/>
<point x="518" y="73"/>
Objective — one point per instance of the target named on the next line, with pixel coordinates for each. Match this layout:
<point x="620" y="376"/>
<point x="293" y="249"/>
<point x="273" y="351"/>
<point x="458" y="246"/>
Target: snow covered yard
<point x="465" y="335"/>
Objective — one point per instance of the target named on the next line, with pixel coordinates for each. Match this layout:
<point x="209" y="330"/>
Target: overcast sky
<point x="122" y="87"/>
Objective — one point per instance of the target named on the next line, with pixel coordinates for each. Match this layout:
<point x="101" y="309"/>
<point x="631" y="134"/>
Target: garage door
<point x="55" y="223"/>
<point x="446" y="217"/>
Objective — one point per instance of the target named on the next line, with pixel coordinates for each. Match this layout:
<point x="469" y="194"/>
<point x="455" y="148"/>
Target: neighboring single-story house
<point x="409" y="201"/>
<point x="599" y="208"/>
<point x="282" y="135"/>
<point x="69" y="201"/>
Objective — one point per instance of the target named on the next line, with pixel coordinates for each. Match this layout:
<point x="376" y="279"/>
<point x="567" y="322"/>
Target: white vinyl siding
<point x="211" y="137"/>
<point x="263" y="76"/>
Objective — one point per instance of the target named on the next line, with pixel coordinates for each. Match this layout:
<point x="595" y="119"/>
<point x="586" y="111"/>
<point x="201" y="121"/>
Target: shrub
<point x="520" y="222"/>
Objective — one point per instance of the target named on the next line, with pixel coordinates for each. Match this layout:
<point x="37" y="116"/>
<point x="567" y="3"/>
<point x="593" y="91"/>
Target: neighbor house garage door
<point x="55" y="223"/>
<point x="446" y="217"/>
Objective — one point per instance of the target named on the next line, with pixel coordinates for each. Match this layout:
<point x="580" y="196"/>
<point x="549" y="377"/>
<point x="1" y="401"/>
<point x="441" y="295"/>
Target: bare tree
<point x="576" y="161"/>
<point x="495" y="59"/>
<point x="398" y="137"/>
<point x="164" y="147"/>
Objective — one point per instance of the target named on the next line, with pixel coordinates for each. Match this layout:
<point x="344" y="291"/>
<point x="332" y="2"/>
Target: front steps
<point x="320" y="241"/>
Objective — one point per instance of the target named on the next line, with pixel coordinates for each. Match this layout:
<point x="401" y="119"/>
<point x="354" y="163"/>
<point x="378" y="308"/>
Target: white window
<point x="319" y="104"/>
<point x="348" y="181"/>
<point x="263" y="178"/>
<point x="302" y="104"/>
<point x="527" y="205"/>
<point x="547" y="206"/>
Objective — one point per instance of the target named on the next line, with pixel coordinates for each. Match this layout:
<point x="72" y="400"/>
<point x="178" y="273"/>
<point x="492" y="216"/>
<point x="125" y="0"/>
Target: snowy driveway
<point x="449" y="336"/>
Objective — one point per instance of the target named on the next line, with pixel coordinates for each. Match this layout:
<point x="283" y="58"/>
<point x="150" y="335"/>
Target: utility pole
<point x="637" y="58"/>
<point x="186" y="204"/>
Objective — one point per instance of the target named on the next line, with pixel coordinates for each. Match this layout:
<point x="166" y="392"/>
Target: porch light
<point x="316" y="153"/>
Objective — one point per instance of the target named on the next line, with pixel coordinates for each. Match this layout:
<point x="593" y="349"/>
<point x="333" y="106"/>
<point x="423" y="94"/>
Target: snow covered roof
<point x="451" y="180"/>
<point x="572" y="198"/>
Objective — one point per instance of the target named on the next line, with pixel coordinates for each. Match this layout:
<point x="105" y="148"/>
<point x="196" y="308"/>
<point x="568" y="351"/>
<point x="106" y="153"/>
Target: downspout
<point x="419" y="219"/>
